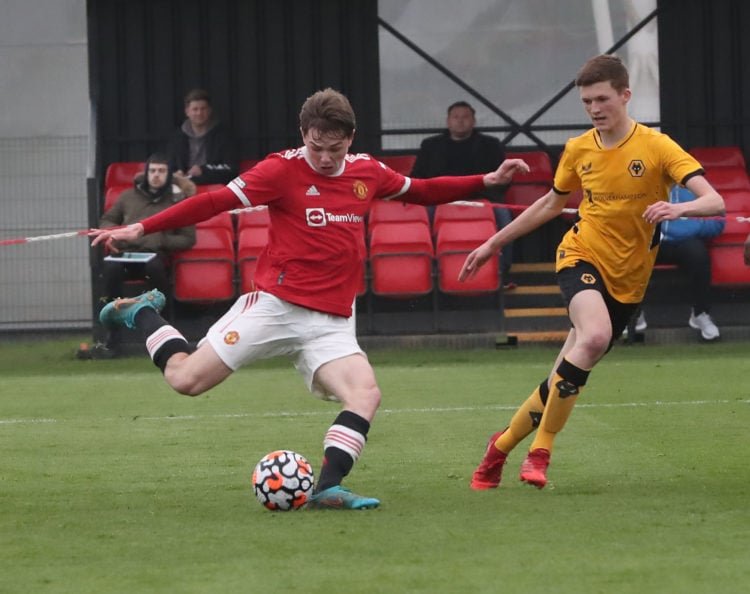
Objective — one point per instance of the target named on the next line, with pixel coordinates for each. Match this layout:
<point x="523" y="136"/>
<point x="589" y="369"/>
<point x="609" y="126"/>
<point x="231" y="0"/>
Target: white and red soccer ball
<point x="283" y="480"/>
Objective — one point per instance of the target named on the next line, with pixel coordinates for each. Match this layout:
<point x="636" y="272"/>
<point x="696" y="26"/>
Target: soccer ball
<point x="283" y="480"/>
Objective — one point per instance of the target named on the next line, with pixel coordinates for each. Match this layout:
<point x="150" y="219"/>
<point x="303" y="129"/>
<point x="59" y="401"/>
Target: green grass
<point x="110" y="482"/>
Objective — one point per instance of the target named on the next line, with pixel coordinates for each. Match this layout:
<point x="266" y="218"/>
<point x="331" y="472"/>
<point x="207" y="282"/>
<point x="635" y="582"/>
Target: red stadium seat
<point x="123" y="173"/>
<point x="524" y="195"/>
<point x="540" y="164"/>
<point x="735" y="232"/>
<point x="401" y="259"/>
<point x="253" y="218"/>
<point x="719" y="156"/>
<point x="393" y="211"/>
<point x="205" y="272"/>
<point x="251" y="241"/>
<point x="728" y="178"/>
<point x="401" y="163"/>
<point x="223" y="220"/>
<point x="478" y="210"/>
<point x="455" y="241"/>
<point x="737" y="201"/>
<point x="112" y="194"/>
<point x="728" y="264"/>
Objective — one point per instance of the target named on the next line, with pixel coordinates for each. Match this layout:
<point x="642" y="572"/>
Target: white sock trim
<point x="161" y="336"/>
<point x="346" y="439"/>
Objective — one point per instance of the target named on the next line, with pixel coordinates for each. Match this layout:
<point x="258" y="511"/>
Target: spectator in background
<point x="201" y="147"/>
<point x="683" y="243"/>
<point x="154" y="190"/>
<point x="462" y="150"/>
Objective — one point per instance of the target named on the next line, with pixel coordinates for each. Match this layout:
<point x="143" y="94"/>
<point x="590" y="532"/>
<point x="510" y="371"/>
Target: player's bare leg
<point x="186" y="372"/>
<point x="587" y="343"/>
<point x="352" y="380"/>
<point x="193" y="374"/>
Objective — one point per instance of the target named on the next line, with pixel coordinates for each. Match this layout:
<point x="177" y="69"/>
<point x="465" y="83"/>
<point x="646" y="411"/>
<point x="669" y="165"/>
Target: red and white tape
<point x="85" y="232"/>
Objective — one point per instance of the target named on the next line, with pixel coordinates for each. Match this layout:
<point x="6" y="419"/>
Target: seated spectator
<point x="462" y="150"/>
<point x="683" y="243"/>
<point x="201" y="148"/>
<point x="154" y="190"/>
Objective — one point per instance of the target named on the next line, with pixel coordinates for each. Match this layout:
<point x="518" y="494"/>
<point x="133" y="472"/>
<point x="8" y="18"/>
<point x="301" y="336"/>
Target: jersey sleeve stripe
<point x="403" y="190"/>
<point x="239" y="193"/>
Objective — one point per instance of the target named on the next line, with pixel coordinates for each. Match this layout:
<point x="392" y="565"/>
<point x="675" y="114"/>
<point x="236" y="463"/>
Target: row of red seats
<point x="727" y="171"/>
<point x="405" y="253"/>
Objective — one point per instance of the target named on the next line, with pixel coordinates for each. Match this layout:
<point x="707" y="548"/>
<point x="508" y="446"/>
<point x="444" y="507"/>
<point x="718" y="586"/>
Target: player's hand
<point x="109" y="235"/>
<point x="661" y="211"/>
<point x="195" y="171"/>
<point x="504" y="174"/>
<point x="475" y="260"/>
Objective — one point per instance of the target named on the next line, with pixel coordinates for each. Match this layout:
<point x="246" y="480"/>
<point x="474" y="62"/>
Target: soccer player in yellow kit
<point x="604" y="261"/>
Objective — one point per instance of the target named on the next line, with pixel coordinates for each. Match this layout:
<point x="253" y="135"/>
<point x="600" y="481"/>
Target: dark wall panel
<point x="704" y="63"/>
<point x="259" y="59"/>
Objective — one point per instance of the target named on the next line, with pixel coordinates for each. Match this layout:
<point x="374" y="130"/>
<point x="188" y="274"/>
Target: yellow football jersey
<point x="618" y="184"/>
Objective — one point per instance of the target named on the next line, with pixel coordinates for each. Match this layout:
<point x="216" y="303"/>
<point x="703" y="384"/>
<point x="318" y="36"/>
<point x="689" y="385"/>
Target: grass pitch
<point x="110" y="482"/>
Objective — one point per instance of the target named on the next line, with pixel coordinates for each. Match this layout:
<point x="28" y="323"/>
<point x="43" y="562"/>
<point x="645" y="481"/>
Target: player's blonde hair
<point x="604" y="68"/>
<point x="329" y="112"/>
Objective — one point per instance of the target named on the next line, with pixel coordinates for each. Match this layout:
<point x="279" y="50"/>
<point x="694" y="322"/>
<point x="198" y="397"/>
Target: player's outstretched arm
<point x="544" y="209"/>
<point x="504" y="174"/>
<point x="476" y="259"/>
<point x="109" y="235"/>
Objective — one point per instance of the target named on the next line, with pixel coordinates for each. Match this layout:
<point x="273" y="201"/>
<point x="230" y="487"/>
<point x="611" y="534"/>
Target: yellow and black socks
<point x="567" y="384"/>
<point x="525" y="420"/>
<point x="342" y="446"/>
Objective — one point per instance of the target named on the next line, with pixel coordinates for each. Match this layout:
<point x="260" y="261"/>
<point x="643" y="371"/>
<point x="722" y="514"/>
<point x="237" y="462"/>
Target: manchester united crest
<point x="232" y="337"/>
<point x="360" y="189"/>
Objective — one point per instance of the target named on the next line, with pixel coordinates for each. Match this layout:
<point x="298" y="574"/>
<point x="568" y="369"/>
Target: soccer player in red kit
<point x="306" y="278"/>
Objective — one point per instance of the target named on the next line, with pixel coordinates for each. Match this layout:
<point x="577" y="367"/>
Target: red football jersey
<point x="316" y="244"/>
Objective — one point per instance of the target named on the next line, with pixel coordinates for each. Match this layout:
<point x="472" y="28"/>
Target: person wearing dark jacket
<point x="154" y="190"/>
<point x="462" y="150"/>
<point x="201" y="148"/>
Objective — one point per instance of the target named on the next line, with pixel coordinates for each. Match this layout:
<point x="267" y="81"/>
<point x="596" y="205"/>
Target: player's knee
<point x="366" y="400"/>
<point x="596" y="343"/>
<point x="374" y="397"/>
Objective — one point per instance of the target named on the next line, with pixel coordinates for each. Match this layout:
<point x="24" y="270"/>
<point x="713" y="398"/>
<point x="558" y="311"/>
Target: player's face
<point x="198" y="112"/>
<point x="460" y="122"/>
<point x="157" y="174"/>
<point x="605" y="106"/>
<point x="326" y="151"/>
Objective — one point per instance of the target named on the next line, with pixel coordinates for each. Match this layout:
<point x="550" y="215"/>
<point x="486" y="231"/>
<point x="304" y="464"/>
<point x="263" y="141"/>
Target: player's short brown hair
<point x="329" y="112"/>
<point x="604" y="68"/>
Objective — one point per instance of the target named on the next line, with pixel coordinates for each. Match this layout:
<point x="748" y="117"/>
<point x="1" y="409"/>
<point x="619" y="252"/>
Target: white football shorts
<point x="260" y="325"/>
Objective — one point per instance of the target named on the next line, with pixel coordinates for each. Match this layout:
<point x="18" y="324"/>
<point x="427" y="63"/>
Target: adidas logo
<point x="312" y="191"/>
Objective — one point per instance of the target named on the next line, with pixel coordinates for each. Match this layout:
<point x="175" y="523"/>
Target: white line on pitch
<point x="386" y="411"/>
